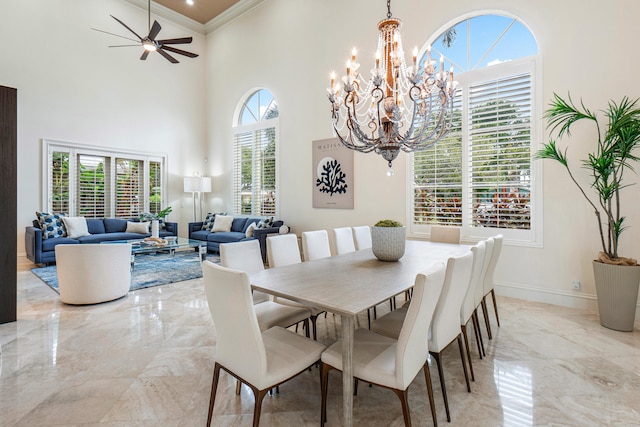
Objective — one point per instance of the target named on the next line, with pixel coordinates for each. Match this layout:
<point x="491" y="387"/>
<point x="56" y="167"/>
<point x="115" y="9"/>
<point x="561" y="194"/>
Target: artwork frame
<point x="332" y="175"/>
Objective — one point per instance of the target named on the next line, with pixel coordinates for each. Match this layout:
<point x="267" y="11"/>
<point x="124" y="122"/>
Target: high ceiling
<point x="201" y="11"/>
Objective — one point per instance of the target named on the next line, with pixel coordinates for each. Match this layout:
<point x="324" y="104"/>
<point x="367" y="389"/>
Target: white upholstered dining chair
<point x="445" y="234"/>
<point x="344" y="240"/>
<point x="260" y="359"/>
<point x="315" y="245"/>
<point x="468" y="307"/>
<point x="362" y="237"/>
<point x="283" y="250"/>
<point x="488" y="284"/>
<point x="93" y="273"/>
<point x="388" y="362"/>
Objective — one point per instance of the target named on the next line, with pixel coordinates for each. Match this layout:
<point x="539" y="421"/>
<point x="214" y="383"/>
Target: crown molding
<point x="235" y="11"/>
<point x="238" y="9"/>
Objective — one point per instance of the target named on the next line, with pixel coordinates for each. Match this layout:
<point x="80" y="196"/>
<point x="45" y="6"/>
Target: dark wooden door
<point x="8" y="202"/>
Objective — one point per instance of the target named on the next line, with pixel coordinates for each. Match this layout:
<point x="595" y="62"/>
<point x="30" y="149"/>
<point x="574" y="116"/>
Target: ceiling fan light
<point x="190" y="2"/>
<point x="149" y="45"/>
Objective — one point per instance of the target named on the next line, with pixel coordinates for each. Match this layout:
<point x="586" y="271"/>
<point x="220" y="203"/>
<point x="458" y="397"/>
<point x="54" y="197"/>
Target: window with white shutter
<point x="97" y="182"/>
<point x="255" y="153"/>
<point x="481" y="176"/>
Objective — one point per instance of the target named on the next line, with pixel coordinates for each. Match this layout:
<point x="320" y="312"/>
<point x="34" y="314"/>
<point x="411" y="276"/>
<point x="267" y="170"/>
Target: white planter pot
<point x="387" y="243"/>
<point x="155" y="228"/>
<point x="617" y="289"/>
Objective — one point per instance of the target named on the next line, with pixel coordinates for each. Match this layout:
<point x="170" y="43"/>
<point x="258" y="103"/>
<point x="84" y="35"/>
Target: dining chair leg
<point x="324" y="385"/>
<point x="305" y="326"/>
<point x="464" y="364"/>
<point x="466" y="344"/>
<point x="478" y="332"/>
<point x="404" y="402"/>
<point x="314" y="320"/>
<point x="486" y="316"/>
<point x="369" y="318"/>
<point x="495" y="306"/>
<point x="257" y="407"/>
<point x="436" y="357"/>
<point x="214" y="387"/>
<point x="432" y="403"/>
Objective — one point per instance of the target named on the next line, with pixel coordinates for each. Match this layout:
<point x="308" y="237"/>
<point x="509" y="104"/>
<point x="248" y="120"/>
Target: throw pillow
<point x="51" y="225"/>
<point x="249" y="232"/>
<point x="207" y="224"/>
<point x="283" y="229"/>
<point x="146" y="216"/>
<point x="76" y="226"/>
<point x="222" y="223"/>
<point x="266" y="223"/>
<point x="138" y="227"/>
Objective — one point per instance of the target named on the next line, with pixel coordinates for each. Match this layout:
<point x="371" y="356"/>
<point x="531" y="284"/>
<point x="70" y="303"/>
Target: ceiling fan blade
<point x="180" y="51"/>
<point x="155" y="29"/>
<point x="126" y="45"/>
<point x="182" y="40"/>
<point x="125" y="25"/>
<point x="144" y="55"/>
<point x="117" y="35"/>
<point x="166" y="55"/>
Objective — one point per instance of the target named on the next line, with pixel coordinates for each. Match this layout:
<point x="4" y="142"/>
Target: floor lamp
<point x="197" y="184"/>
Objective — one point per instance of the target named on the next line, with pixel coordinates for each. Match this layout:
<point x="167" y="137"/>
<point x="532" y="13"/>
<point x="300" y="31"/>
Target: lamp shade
<point x="205" y="184"/>
<point x="192" y="184"/>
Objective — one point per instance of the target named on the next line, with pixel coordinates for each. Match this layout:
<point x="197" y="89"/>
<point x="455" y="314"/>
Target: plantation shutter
<point x="59" y="182"/>
<point x="499" y="147"/>
<point x="437" y="174"/>
<point x="266" y="150"/>
<point x="92" y="187"/>
<point x="129" y="190"/>
<point x="155" y="187"/>
<point x="243" y="172"/>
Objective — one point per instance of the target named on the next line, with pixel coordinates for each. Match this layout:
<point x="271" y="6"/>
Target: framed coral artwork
<point x="332" y="175"/>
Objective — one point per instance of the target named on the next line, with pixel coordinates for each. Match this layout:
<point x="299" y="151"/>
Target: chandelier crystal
<point x="399" y="108"/>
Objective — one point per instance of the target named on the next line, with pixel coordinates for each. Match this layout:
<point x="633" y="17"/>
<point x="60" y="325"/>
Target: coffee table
<point x="139" y="246"/>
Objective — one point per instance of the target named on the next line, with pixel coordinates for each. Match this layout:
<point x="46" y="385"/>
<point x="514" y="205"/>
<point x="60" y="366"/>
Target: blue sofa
<point x="42" y="251"/>
<point x="237" y="233"/>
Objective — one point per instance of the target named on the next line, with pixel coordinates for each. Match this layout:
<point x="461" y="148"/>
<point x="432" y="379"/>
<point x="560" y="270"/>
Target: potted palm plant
<point x="617" y="278"/>
<point x="387" y="240"/>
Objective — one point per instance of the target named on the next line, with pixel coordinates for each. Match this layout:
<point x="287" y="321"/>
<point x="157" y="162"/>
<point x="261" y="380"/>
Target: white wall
<point x="72" y="87"/>
<point x="290" y="47"/>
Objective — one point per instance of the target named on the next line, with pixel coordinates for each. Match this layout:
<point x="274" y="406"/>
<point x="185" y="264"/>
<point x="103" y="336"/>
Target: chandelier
<point x="399" y="108"/>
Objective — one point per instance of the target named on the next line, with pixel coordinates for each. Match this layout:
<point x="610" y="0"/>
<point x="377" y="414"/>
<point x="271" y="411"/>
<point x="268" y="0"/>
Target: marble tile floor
<point x="147" y="360"/>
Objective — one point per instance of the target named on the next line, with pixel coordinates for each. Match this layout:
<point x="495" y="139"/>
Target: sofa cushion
<point x="76" y="226"/>
<point x="222" y="223"/>
<point x="50" y="244"/>
<point x="266" y="223"/>
<point x="138" y="227"/>
<point x="251" y="221"/>
<point x="110" y="237"/>
<point x="226" y="237"/>
<point x="51" y="225"/>
<point x="115" y="225"/>
<point x="238" y="224"/>
<point x="95" y="226"/>
<point x="200" y="235"/>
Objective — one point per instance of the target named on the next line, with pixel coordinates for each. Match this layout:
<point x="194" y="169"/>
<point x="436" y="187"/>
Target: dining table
<point x="349" y="284"/>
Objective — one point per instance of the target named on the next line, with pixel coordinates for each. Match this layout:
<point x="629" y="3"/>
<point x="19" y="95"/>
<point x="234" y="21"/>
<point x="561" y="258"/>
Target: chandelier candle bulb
<point x="415" y="58"/>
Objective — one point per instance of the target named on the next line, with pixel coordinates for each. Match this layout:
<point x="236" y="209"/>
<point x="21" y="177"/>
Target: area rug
<point x="150" y="270"/>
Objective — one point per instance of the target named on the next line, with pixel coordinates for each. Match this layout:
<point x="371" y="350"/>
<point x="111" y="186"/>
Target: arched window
<point x="480" y="176"/>
<point x="255" y="136"/>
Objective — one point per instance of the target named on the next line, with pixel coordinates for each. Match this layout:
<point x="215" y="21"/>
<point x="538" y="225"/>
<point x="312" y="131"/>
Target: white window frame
<point x="74" y="149"/>
<point x="253" y="128"/>
<point x="532" y="237"/>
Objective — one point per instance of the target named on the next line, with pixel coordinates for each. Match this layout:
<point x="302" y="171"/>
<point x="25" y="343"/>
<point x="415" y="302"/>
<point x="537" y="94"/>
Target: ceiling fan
<point x="150" y="44"/>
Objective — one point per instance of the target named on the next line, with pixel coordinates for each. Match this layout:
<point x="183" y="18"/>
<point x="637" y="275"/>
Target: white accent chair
<point x="467" y="310"/>
<point x="393" y="363"/>
<point x="93" y="273"/>
<point x="362" y="237"/>
<point x="315" y="245"/>
<point x="488" y="283"/>
<point x="260" y="359"/>
<point x="445" y="234"/>
<point x="283" y="250"/>
<point x="344" y="240"/>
